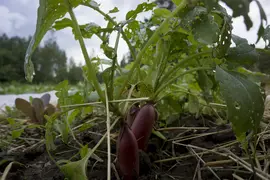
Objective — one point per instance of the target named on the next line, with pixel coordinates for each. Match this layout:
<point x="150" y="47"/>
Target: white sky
<point x="18" y="17"/>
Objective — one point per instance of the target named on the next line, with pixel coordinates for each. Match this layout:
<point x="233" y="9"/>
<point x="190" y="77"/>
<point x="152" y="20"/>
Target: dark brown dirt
<point x="38" y="165"/>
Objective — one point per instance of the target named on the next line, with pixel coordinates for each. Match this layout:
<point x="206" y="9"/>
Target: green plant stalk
<point x="165" y="85"/>
<point x="163" y="56"/>
<point x="108" y="123"/>
<point x="90" y="68"/>
<point x="111" y="90"/>
<point x="154" y="38"/>
<point x="180" y="65"/>
<point x="132" y="51"/>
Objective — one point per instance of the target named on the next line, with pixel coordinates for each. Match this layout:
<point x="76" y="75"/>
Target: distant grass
<point x="19" y="88"/>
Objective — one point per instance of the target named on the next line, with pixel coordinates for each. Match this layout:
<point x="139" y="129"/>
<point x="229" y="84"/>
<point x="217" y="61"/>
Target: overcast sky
<point x="18" y="17"/>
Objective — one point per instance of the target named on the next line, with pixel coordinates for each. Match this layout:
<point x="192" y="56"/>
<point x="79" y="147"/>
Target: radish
<point x="143" y="124"/>
<point x="127" y="154"/>
<point x="133" y="111"/>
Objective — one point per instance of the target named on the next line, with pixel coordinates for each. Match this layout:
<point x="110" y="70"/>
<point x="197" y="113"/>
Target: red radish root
<point x="143" y="124"/>
<point x="133" y="111"/>
<point x="127" y="154"/>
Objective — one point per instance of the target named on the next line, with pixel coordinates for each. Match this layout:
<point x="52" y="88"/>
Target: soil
<point x="163" y="160"/>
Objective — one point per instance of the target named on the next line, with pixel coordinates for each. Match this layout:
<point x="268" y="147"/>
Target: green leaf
<point x="243" y="53"/>
<point x="89" y="29"/>
<point x="7" y="169"/>
<point x="87" y="110"/>
<point x="266" y="35"/>
<point x="62" y="93"/>
<point x="63" y="23"/>
<point x="263" y="18"/>
<point x="76" y="98"/>
<point x="204" y="81"/>
<point x="75" y="170"/>
<point x="72" y="115"/>
<point x="206" y="30"/>
<point x="203" y="26"/>
<point x="63" y="129"/>
<point x="262" y="13"/>
<point x="240" y="8"/>
<point x="209" y="4"/>
<point x="157" y="69"/>
<point x="224" y="42"/>
<point x="106" y="75"/>
<point x="114" y="10"/>
<point x="108" y="51"/>
<point x="168" y="106"/>
<point x="11" y="121"/>
<point x="244" y="101"/>
<point x="159" y="134"/>
<point x="17" y="133"/>
<point x="146" y="90"/>
<point x="84" y="151"/>
<point x="177" y="2"/>
<point x="140" y="8"/>
<point x="86" y="126"/>
<point x="193" y="104"/>
<point x="192" y="15"/>
<point x="49" y="134"/>
<point x="162" y="12"/>
<point x="253" y="76"/>
<point x="48" y="12"/>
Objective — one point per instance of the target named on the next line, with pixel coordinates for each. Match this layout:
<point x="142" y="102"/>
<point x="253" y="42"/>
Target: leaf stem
<point x="90" y="68"/>
<point x="181" y="63"/>
<point x="108" y="123"/>
<point x="153" y="39"/>
<point x="164" y="85"/>
<point x="111" y="87"/>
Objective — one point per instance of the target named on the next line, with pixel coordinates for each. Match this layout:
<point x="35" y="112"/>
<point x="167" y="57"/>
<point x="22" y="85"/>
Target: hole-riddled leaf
<point x="244" y="101"/>
<point x="225" y="37"/>
<point x="206" y="30"/>
<point x="243" y="53"/>
<point x="202" y="25"/>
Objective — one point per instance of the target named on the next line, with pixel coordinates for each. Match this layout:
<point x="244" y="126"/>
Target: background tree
<point x="50" y="62"/>
<point x="75" y="73"/>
